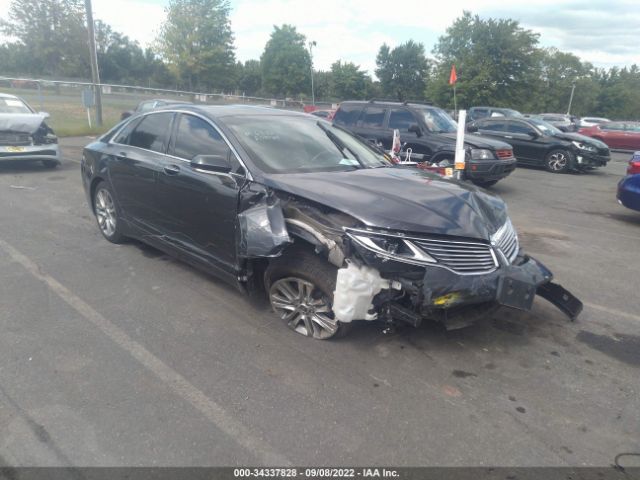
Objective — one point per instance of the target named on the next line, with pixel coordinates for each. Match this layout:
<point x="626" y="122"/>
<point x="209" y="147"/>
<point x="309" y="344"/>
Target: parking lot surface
<point x="119" y="355"/>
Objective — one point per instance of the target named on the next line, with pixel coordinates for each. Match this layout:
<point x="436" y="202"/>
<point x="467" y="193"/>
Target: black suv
<point x="430" y="133"/>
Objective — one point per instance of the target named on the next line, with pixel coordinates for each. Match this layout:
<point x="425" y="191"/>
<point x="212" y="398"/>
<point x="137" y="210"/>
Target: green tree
<point x="197" y="43"/>
<point x="250" y="77"/>
<point x="497" y="62"/>
<point x="403" y="71"/>
<point x="51" y="36"/>
<point x="286" y="64"/>
<point x="348" y="82"/>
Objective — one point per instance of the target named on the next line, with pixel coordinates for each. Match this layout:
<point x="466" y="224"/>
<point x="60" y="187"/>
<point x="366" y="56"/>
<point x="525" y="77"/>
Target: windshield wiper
<point x="339" y="143"/>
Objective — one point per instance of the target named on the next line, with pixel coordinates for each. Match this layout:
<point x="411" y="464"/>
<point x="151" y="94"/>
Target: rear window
<point x="347" y="114"/>
<point x="373" y="117"/>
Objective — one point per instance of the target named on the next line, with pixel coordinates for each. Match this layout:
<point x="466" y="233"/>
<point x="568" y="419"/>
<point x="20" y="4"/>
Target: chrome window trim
<point x="247" y="174"/>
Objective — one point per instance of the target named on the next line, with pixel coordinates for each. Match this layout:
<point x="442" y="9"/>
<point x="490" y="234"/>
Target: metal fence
<point x="63" y="100"/>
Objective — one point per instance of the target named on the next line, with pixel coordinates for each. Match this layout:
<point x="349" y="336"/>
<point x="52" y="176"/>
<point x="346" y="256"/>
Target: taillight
<point x="634" y="167"/>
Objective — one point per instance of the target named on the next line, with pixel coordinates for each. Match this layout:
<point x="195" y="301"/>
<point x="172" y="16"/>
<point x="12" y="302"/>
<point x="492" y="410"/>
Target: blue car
<point x="629" y="186"/>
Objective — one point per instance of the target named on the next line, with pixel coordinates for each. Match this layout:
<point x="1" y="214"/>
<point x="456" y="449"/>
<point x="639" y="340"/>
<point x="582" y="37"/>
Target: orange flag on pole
<point x="453" y="78"/>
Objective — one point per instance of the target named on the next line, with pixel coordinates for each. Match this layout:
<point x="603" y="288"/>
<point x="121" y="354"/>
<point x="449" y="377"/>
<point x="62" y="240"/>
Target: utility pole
<point x="313" y="94"/>
<point x="95" y="73"/>
<point x="573" y="87"/>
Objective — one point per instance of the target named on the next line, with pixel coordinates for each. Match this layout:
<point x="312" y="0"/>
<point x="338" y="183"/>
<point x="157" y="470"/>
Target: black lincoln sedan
<point x="538" y="143"/>
<point x="288" y="206"/>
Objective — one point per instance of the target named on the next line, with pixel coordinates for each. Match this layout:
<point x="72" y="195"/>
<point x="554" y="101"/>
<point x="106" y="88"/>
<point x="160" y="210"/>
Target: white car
<point x="591" y="121"/>
<point x="24" y="134"/>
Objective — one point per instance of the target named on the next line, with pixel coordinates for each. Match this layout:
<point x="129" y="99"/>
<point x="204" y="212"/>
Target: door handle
<point x="172" y="169"/>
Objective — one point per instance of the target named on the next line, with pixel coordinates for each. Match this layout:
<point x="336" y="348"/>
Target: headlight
<point x="584" y="146"/>
<point x="392" y="247"/>
<point x="481" y="154"/>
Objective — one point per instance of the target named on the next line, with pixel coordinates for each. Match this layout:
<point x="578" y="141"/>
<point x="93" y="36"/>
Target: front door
<point x="200" y="208"/>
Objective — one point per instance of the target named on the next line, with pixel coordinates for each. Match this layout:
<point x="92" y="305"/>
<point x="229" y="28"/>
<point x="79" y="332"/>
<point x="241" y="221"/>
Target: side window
<point x="493" y="125"/>
<point x="151" y="132"/>
<point x="612" y="126"/>
<point x="479" y="113"/>
<point x="401" y="119"/>
<point x="347" y="115"/>
<point x="123" y="137"/>
<point x="373" y="117"/>
<point x="519" y="127"/>
<point x="195" y="136"/>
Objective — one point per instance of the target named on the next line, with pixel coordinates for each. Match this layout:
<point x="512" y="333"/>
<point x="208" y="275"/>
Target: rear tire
<point x="107" y="214"/>
<point x="558" y="161"/>
<point x="300" y="287"/>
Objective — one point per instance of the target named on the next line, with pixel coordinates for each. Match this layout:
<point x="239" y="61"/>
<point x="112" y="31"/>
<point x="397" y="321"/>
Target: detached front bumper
<point x="459" y="300"/>
<point x="31" y="152"/>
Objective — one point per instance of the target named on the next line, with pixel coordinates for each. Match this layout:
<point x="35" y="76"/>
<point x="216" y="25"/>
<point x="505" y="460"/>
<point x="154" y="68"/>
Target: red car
<point x="622" y="135"/>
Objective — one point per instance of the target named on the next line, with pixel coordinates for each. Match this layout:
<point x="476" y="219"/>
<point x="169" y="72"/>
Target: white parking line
<point x="176" y="382"/>
<point x="613" y="311"/>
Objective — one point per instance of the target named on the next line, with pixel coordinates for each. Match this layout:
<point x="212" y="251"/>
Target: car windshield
<point x="438" y="121"/>
<point x="294" y="144"/>
<point x="13" y="105"/>
<point x="545" y="127"/>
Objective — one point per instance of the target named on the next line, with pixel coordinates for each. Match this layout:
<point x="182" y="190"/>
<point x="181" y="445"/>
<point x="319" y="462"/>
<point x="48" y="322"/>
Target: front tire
<point x="106" y="213"/>
<point x="558" y="161"/>
<point x="300" y="288"/>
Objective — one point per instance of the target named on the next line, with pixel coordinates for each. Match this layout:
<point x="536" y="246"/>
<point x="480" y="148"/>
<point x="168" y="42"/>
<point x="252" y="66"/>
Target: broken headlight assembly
<point x="391" y="247"/>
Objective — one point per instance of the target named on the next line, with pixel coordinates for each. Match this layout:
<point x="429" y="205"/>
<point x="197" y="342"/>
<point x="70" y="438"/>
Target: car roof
<point x="217" y="111"/>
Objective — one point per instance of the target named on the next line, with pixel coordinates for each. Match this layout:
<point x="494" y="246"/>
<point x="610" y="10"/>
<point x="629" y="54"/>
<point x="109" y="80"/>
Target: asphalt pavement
<point x="119" y="355"/>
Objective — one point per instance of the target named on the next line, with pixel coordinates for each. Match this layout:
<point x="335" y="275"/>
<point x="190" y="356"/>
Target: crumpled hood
<point x="21" y="122"/>
<point x="401" y="199"/>
<point x="571" y="137"/>
<point x="479" y="141"/>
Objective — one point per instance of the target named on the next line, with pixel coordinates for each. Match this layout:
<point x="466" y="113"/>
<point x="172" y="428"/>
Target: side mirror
<point x="415" y="128"/>
<point x="533" y="134"/>
<point x="472" y="128"/>
<point x="211" y="163"/>
<point x="44" y="114"/>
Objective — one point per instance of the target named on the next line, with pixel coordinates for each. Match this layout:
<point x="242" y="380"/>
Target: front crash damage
<point x="395" y="277"/>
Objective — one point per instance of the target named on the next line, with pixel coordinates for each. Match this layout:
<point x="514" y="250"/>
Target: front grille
<point x="14" y="139"/>
<point x="603" y="152"/>
<point x="460" y="256"/>
<point x="504" y="153"/>
<point x="506" y="239"/>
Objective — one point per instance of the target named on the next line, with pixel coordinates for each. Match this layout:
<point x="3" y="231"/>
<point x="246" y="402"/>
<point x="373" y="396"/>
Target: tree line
<point x="498" y="62"/>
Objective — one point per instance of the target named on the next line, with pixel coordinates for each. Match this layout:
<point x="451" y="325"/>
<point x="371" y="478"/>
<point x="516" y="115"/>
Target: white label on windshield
<point x="348" y="161"/>
<point x="13" y="103"/>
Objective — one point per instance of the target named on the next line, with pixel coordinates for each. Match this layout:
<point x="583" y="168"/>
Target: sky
<point x="603" y="32"/>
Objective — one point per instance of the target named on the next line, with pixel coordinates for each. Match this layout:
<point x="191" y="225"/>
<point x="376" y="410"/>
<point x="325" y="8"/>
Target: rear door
<point x="137" y="158"/>
<point x="613" y="134"/>
<point x="528" y="145"/>
<point x="371" y="125"/>
<point x="200" y="208"/>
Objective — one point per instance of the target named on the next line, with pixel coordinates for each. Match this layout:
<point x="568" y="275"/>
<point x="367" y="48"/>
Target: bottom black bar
<point x="232" y="473"/>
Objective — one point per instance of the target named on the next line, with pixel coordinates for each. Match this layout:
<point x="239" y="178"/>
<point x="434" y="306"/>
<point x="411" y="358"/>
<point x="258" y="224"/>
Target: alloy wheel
<point x="105" y="212"/>
<point x="557" y="161"/>
<point x="304" y="307"/>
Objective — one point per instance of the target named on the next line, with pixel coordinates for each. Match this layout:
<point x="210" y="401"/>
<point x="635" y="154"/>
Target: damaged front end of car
<point x="396" y="277"/>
